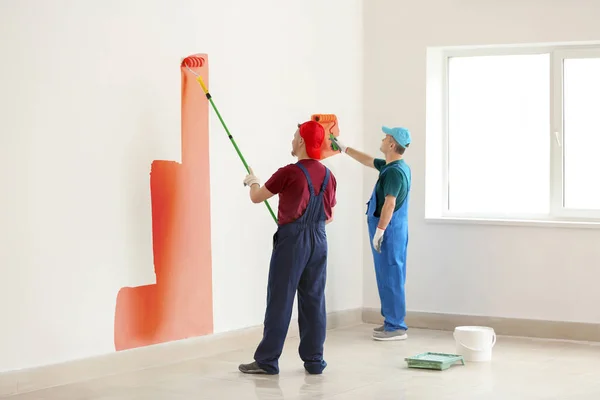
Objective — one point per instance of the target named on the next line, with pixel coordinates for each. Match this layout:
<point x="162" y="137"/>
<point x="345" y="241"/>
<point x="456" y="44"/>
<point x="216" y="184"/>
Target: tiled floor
<point x="360" y="368"/>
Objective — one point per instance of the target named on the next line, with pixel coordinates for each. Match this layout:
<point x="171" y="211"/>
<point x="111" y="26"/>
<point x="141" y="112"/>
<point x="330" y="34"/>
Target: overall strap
<point x="308" y="180"/>
<point x="325" y="181"/>
<point x="406" y="173"/>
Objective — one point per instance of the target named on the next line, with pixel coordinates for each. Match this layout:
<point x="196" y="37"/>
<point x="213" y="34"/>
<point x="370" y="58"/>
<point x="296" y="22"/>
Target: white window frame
<point x="557" y="53"/>
<point x="558" y="195"/>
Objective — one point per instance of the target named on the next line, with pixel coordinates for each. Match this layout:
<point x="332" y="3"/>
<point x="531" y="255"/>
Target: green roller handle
<point x="209" y="97"/>
<point x="334" y="145"/>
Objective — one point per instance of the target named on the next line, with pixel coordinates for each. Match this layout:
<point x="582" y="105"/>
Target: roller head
<point x="327" y="121"/>
<point x="193" y="62"/>
<point x="324" y="118"/>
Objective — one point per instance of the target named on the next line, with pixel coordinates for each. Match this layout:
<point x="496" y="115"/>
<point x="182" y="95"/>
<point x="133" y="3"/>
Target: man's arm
<point x="392" y="184"/>
<point x="387" y="211"/>
<point x="361" y="157"/>
<point x="273" y="186"/>
<point x="330" y="219"/>
<point x="330" y="193"/>
<point x="259" y="194"/>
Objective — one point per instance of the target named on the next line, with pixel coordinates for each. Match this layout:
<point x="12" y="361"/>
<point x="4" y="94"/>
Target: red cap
<point x="313" y="134"/>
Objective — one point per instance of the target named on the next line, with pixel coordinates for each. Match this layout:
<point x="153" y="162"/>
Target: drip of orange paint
<point x="179" y="305"/>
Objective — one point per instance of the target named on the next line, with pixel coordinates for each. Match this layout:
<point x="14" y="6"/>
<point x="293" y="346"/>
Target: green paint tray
<point x="437" y="361"/>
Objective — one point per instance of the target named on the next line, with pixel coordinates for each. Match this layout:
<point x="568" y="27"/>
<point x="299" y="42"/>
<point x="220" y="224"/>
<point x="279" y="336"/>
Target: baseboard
<point x="29" y="380"/>
<point x="578" y="331"/>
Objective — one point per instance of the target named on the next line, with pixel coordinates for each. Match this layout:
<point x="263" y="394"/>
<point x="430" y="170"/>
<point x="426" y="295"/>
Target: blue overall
<point x="298" y="262"/>
<point x="390" y="264"/>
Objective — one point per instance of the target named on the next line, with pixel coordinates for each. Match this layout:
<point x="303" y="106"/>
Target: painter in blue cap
<point x="387" y="218"/>
<point x="400" y="135"/>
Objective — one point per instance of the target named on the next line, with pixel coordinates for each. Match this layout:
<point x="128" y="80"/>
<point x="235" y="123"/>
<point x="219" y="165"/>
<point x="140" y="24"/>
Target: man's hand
<point x="251" y="179"/>
<point x="339" y="144"/>
<point x="258" y="194"/>
<point x="378" y="239"/>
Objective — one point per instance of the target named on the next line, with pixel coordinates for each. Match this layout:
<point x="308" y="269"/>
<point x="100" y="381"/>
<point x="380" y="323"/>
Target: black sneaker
<point x="252" y="368"/>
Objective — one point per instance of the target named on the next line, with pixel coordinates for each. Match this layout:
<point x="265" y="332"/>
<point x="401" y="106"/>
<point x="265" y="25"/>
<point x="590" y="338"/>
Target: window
<point x="498" y="124"/>
<point x="581" y="133"/>
<point x="521" y="134"/>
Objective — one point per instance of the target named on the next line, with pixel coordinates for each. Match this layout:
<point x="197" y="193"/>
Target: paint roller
<point x="196" y="62"/>
<point x="329" y="122"/>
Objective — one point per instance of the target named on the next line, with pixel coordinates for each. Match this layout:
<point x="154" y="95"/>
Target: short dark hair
<point x="399" y="149"/>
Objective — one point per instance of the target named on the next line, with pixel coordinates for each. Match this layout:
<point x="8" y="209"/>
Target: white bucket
<point x="475" y="343"/>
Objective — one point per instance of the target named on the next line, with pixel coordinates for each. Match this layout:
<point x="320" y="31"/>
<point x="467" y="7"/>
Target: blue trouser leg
<point x="394" y="303"/>
<point x="372" y="228"/>
<point x="286" y="267"/>
<point x="390" y="272"/>
<point x="312" y="317"/>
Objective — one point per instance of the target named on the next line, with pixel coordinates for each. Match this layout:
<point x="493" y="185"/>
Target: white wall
<point x="313" y="63"/>
<point x="90" y="95"/>
<point x="507" y="271"/>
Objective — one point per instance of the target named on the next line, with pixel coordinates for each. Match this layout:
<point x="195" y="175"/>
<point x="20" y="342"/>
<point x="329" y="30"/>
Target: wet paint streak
<point x="179" y="305"/>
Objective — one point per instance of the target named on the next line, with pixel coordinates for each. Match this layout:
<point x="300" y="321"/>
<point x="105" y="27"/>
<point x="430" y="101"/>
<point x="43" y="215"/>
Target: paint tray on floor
<point x="436" y="361"/>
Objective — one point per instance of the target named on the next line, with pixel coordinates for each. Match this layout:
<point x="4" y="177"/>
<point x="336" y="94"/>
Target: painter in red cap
<point x="312" y="134"/>
<point x="306" y="192"/>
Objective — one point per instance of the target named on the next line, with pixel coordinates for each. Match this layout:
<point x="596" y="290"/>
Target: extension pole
<point x="209" y="97"/>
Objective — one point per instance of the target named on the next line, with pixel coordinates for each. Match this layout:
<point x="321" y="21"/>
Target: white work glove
<point x="340" y="145"/>
<point x="378" y="239"/>
<point x="251" y="179"/>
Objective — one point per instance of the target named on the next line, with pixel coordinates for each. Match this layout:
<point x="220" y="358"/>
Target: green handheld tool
<point x="334" y="145"/>
<point x="209" y="97"/>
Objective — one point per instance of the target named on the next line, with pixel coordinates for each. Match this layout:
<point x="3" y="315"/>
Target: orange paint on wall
<point x="179" y="305"/>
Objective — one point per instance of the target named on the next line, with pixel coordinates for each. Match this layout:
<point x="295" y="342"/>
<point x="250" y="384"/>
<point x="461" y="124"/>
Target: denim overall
<point x="298" y="262"/>
<point x="390" y="264"/>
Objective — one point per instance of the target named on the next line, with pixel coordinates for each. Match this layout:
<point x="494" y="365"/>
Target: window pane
<point x="499" y="126"/>
<point x="581" y="133"/>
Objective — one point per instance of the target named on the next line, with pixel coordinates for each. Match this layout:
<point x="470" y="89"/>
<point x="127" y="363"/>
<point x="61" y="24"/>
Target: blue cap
<point x="400" y="135"/>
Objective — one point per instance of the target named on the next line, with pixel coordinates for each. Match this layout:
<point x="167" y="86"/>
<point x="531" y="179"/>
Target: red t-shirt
<point x="291" y="185"/>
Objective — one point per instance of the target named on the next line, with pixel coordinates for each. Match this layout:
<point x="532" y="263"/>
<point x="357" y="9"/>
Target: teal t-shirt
<point x="393" y="183"/>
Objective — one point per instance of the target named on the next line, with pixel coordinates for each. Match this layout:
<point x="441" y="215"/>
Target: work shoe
<point x="379" y="328"/>
<point x="399" y="334"/>
<point x="253" y="368"/>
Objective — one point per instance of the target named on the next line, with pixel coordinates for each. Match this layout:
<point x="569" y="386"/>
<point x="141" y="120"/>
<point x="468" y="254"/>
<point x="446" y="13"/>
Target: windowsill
<point x="515" y="222"/>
